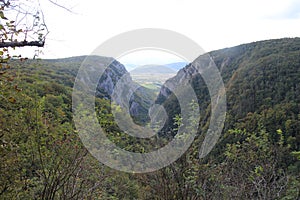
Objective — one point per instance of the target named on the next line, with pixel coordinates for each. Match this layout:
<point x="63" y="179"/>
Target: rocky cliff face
<point x="187" y="75"/>
<point x="110" y="77"/>
<point x="182" y="77"/>
<point x="109" y="74"/>
<point x="116" y="84"/>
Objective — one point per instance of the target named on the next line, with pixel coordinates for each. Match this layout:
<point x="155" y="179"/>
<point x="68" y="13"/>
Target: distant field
<point x="152" y="78"/>
<point x="152" y="86"/>
<point x="151" y="81"/>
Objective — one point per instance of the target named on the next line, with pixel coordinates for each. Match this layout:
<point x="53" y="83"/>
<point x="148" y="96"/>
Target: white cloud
<point x="213" y="24"/>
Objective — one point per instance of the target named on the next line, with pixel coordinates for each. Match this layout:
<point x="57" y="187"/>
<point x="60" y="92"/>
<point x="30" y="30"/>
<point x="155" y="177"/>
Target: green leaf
<point x="296" y="154"/>
<point x="2" y="15"/>
<point x="12" y="100"/>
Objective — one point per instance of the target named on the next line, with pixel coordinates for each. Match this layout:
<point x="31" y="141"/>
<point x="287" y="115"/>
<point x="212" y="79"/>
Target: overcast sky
<point x="213" y="24"/>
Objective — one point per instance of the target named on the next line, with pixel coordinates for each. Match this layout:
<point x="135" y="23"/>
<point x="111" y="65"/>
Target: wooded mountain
<point x="257" y="156"/>
<point x="142" y="98"/>
<point x="258" y="76"/>
<point x="262" y="82"/>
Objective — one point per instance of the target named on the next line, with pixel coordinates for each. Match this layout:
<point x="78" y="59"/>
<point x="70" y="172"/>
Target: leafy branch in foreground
<point x="22" y="24"/>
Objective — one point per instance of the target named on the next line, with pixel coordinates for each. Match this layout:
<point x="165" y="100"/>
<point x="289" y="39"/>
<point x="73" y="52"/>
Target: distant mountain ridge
<point x="153" y="69"/>
<point x="177" y="66"/>
<point x="174" y="66"/>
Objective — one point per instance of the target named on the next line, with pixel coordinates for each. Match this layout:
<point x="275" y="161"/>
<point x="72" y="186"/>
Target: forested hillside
<point x="42" y="156"/>
<point x="258" y="153"/>
<point x="257" y="156"/>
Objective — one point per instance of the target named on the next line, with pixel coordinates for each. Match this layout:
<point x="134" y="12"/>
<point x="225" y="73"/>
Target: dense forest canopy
<point x="257" y="156"/>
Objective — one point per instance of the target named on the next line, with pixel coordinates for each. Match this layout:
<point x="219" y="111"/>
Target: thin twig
<point x="63" y="7"/>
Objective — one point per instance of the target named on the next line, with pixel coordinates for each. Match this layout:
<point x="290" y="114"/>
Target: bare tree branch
<point x="63" y="7"/>
<point x="22" y="44"/>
